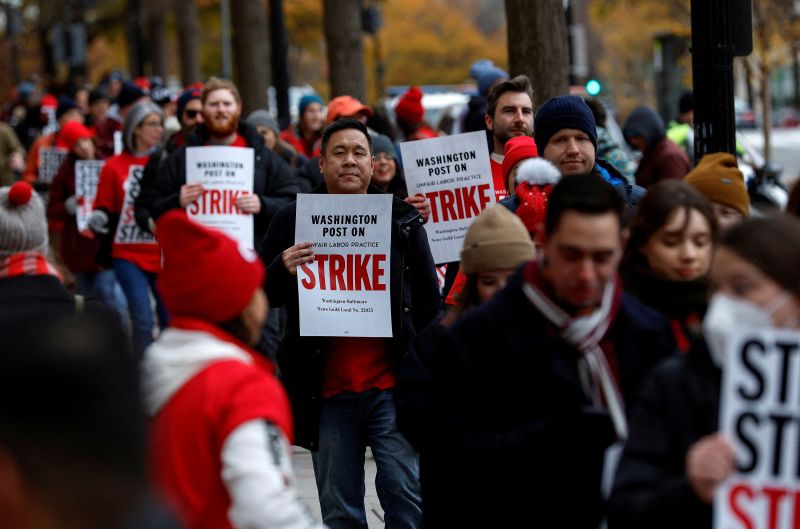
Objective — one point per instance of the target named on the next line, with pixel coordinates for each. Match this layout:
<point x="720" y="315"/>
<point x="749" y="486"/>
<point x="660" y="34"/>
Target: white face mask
<point x="725" y="314"/>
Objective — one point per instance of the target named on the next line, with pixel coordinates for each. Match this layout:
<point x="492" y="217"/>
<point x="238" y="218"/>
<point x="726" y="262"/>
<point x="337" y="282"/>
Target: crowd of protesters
<point x="154" y="374"/>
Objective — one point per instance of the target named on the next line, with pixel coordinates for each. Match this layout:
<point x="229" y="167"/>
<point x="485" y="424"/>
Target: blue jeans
<point x="103" y="285"/>
<point x="350" y="422"/>
<point x="137" y="285"/>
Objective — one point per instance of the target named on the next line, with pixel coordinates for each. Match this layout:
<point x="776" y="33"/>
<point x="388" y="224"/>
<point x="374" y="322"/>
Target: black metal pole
<point x="280" y="66"/>
<point x="713" y="49"/>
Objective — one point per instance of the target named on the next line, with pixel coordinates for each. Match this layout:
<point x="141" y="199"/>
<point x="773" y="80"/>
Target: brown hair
<point x="465" y="300"/>
<point x="520" y="83"/>
<point x="771" y="244"/>
<point x="655" y="209"/>
<point x="215" y="83"/>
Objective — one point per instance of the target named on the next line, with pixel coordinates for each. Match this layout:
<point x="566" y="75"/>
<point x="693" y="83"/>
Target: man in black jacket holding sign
<point x="273" y="183"/>
<point x="341" y="389"/>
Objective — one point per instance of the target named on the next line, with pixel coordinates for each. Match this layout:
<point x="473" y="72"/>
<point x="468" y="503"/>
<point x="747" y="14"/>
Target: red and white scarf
<point x="26" y="264"/>
<point x="585" y="333"/>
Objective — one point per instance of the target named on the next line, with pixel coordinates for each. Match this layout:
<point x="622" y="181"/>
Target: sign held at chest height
<point x="345" y="290"/>
<point x="87" y="177"/>
<point x="454" y="174"/>
<point x="760" y="414"/>
<point x="226" y="173"/>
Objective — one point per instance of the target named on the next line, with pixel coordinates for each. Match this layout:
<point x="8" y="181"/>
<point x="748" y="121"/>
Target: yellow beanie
<point x="719" y="179"/>
<point x="496" y="240"/>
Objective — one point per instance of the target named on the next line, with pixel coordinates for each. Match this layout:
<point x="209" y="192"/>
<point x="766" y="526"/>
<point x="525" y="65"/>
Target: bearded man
<point x="273" y="182"/>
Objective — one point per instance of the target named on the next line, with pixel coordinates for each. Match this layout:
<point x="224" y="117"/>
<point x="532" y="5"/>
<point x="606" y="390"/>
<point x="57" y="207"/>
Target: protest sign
<point x="454" y="173"/>
<point x="760" y="414"/>
<point x="50" y="159"/>
<point x="87" y="176"/>
<point x="226" y="173"/>
<point x="345" y="290"/>
<point x="128" y="232"/>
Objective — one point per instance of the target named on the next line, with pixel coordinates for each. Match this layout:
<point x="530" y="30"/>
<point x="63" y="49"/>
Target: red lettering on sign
<point x="350" y="272"/>
<point x="459" y="203"/>
<point x="733" y="499"/>
<point x="217" y="202"/>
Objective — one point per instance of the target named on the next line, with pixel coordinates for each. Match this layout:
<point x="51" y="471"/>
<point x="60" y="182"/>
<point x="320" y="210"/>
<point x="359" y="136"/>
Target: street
<point x="785" y="150"/>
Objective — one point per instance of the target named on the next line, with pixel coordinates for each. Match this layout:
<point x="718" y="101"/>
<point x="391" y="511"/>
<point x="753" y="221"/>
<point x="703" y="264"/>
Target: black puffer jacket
<point x="415" y="303"/>
<point x="273" y="181"/>
<point x="678" y="405"/>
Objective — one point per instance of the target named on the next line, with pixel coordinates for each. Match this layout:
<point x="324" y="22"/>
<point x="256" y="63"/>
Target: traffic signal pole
<point x="720" y="31"/>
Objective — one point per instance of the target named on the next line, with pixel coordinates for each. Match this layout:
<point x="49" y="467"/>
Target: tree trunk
<point x="136" y="54"/>
<point x="156" y="37"/>
<point x="251" y="52"/>
<point x="766" y="112"/>
<point x="537" y="46"/>
<point x="188" y="40"/>
<point x="342" y="20"/>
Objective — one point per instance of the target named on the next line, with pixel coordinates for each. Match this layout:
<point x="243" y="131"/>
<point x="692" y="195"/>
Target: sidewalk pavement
<point x="307" y="488"/>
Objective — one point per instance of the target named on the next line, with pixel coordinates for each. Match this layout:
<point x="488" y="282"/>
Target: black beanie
<point x="563" y="112"/>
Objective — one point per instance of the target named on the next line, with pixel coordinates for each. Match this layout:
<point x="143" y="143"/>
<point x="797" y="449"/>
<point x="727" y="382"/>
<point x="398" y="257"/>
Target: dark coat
<point x="662" y="159"/>
<point x="507" y="436"/>
<point x="27" y="302"/>
<point x="415" y="303"/>
<point x="148" y="193"/>
<point x="273" y="180"/>
<point x="678" y="405"/>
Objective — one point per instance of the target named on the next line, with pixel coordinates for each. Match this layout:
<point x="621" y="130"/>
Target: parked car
<point x="745" y="117"/>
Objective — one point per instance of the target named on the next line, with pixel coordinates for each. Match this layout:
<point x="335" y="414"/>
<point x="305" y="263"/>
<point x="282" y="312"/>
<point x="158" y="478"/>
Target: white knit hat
<point x="23" y="223"/>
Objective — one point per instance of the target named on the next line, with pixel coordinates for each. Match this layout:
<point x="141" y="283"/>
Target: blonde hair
<point x="215" y="83"/>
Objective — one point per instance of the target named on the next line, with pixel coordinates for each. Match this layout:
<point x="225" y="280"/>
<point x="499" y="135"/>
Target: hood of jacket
<point x="645" y="122"/>
<point x="176" y="357"/>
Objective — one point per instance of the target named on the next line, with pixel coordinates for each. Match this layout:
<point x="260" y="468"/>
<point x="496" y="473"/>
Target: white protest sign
<point x="87" y="176"/>
<point x="50" y="159"/>
<point x="760" y="414"/>
<point x="226" y="173"/>
<point x="345" y="290"/>
<point x="128" y="232"/>
<point x="455" y="174"/>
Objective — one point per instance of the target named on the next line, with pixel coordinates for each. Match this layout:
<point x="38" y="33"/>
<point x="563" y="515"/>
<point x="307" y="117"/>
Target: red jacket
<point x="292" y="136"/>
<point x="77" y="251"/>
<point x="200" y="385"/>
<point x="120" y="183"/>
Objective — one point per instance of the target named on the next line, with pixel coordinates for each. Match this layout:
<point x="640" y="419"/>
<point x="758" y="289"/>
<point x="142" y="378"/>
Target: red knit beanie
<point x="409" y="107"/>
<point x="206" y="274"/>
<point x="517" y="149"/>
<point x="536" y="178"/>
<point x="70" y="133"/>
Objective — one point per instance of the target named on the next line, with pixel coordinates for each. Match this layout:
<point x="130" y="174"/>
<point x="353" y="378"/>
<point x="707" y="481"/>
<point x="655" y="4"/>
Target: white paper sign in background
<point x="455" y="174"/>
<point x="226" y="173"/>
<point x="87" y="176"/>
<point x="345" y="290"/>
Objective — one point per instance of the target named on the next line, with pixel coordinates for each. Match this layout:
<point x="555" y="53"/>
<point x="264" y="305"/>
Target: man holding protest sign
<point x="680" y="453"/>
<point x="272" y="181"/>
<point x="341" y="387"/>
<point x="532" y="386"/>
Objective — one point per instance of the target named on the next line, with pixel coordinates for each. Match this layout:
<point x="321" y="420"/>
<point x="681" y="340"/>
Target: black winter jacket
<point x="415" y="303"/>
<point x="273" y="181"/>
<point x="507" y="436"/>
<point x="679" y="404"/>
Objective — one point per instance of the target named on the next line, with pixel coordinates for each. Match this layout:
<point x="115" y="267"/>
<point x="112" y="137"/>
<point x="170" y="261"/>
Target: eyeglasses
<point x="153" y="124"/>
<point x="191" y="114"/>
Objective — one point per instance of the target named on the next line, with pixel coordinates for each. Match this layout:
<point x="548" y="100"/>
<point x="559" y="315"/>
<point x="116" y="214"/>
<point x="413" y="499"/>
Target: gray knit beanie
<point x="262" y="118"/>
<point x="23" y="223"/>
<point x="134" y="119"/>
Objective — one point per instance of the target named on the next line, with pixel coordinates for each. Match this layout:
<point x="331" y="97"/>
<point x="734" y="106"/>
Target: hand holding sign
<point x="296" y="255"/>
<point x="190" y="193"/>
<point x="709" y="462"/>
<point x="422" y="204"/>
<point x="249" y="203"/>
